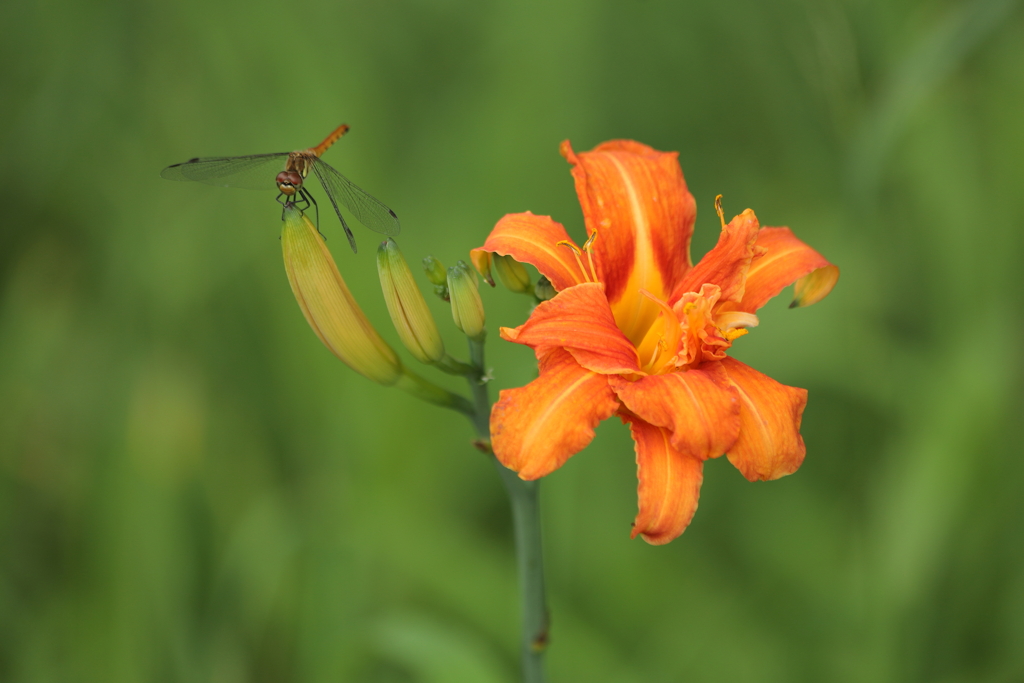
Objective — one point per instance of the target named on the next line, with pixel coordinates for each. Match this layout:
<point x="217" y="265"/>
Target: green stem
<point x="453" y="366"/>
<point x="478" y="388"/>
<point x="428" y="391"/>
<point x="525" y="499"/>
<point x="525" y="496"/>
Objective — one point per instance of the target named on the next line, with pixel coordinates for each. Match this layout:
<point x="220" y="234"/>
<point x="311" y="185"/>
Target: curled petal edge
<point x="579" y="320"/>
<point x="786" y="260"/>
<point x="668" y="486"/>
<point x="769" y="445"/>
<point x="533" y="239"/>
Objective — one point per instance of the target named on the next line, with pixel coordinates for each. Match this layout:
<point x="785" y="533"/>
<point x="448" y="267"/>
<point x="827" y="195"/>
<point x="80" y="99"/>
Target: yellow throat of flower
<point x="689" y="333"/>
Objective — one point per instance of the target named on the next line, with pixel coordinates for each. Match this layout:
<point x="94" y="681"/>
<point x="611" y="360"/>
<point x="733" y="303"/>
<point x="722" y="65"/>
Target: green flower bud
<point x="467" y="308"/>
<point x="435" y="271"/>
<point x="413" y="321"/>
<point x="543" y="290"/>
<point x="512" y="274"/>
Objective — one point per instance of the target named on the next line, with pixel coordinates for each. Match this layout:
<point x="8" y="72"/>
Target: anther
<point x="718" y="208"/>
<point x="576" y="253"/>
<point x="735" y="333"/>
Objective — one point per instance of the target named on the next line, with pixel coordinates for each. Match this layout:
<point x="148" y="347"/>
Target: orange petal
<point x="669" y="484"/>
<point x="726" y="265"/>
<point x="769" y="445"/>
<point x="536" y="428"/>
<point x="698" y="407"/>
<point x="636" y="199"/>
<point x="534" y="240"/>
<point x="787" y="260"/>
<point x="579" y="320"/>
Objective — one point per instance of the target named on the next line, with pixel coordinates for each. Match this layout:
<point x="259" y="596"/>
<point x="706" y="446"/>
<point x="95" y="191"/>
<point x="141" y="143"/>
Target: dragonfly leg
<point x="309" y="198"/>
<point x="284" y="204"/>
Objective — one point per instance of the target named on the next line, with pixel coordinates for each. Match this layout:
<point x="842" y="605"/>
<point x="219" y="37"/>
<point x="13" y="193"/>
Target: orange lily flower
<point x="636" y="330"/>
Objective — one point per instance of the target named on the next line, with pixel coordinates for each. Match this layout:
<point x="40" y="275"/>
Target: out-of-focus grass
<point x="193" y="489"/>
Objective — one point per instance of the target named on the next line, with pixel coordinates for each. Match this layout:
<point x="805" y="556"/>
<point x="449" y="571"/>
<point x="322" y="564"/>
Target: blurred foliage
<point x="193" y="489"/>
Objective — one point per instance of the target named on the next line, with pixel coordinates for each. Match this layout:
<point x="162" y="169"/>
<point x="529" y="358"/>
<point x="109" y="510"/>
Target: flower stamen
<point x="588" y="248"/>
<point x="718" y="209"/>
<point x="576" y="253"/>
<point x="661" y="346"/>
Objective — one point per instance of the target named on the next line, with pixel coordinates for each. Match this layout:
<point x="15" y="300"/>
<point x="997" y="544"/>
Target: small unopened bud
<point x="435" y="271"/>
<point x="543" y="290"/>
<point x="409" y="312"/>
<point x="512" y="274"/>
<point x="437" y="276"/>
<point x="328" y="305"/>
<point x="467" y="308"/>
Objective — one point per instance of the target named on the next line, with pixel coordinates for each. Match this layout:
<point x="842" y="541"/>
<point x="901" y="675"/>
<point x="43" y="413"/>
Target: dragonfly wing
<point x="254" y="172"/>
<point x="368" y="210"/>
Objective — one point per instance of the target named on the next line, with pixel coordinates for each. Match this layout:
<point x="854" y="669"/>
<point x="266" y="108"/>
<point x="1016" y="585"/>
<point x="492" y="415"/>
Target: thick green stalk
<point x="525" y="498"/>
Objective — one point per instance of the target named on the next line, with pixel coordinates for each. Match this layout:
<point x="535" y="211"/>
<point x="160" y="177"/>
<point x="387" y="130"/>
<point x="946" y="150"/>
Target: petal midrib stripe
<point x="541" y="421"/>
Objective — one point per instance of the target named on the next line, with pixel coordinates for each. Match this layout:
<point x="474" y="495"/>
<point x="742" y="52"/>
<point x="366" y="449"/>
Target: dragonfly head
<point x="289" y="182"/>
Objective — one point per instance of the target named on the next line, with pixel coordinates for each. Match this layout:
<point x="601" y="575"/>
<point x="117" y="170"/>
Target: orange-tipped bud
<point x="512" y="274"/>
<point x="328" y="305"/>
<point x="467" y="308"/>
<point x="408" y="309"/>
<point x="482" y="262"/>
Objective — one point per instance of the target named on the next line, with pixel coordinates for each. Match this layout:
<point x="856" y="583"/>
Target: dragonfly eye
<point x="288" y="182"/>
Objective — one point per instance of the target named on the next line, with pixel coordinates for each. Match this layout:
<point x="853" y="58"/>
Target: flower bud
<point x="437" y="276"/>
<point x="435" y="271"/>
<point x="512" y="274"/>
<point x="408" y="309"/>
<point x="467" y="308"/>
<point x="482" y="262"/>
<point x="329" y="306"/>
<point x="544" y="290"/>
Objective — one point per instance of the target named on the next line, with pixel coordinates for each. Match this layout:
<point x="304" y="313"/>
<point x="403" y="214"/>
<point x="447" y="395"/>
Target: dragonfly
<point x="256" y="172"/>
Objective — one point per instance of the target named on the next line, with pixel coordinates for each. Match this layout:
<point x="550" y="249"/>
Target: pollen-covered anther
<point x="732" y="335"/>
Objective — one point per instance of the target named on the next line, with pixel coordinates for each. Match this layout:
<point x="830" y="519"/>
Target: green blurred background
<point x="193" y="489"/>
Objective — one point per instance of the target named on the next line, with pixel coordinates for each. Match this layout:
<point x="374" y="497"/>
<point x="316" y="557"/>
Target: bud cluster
<point x="340" y="324"/>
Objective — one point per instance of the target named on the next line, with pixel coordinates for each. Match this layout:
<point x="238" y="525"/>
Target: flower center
<point x="691" y="332"/>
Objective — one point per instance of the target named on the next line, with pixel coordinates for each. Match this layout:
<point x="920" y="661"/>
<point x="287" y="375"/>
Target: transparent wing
<point x="367" y="210"/>
<point x="253" y="172"/>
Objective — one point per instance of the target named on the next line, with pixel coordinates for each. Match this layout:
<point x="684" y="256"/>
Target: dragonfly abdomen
<point x="330" y="140"/>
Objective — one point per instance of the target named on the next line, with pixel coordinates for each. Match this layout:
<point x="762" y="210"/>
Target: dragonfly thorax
<point x="289" y="182"/>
